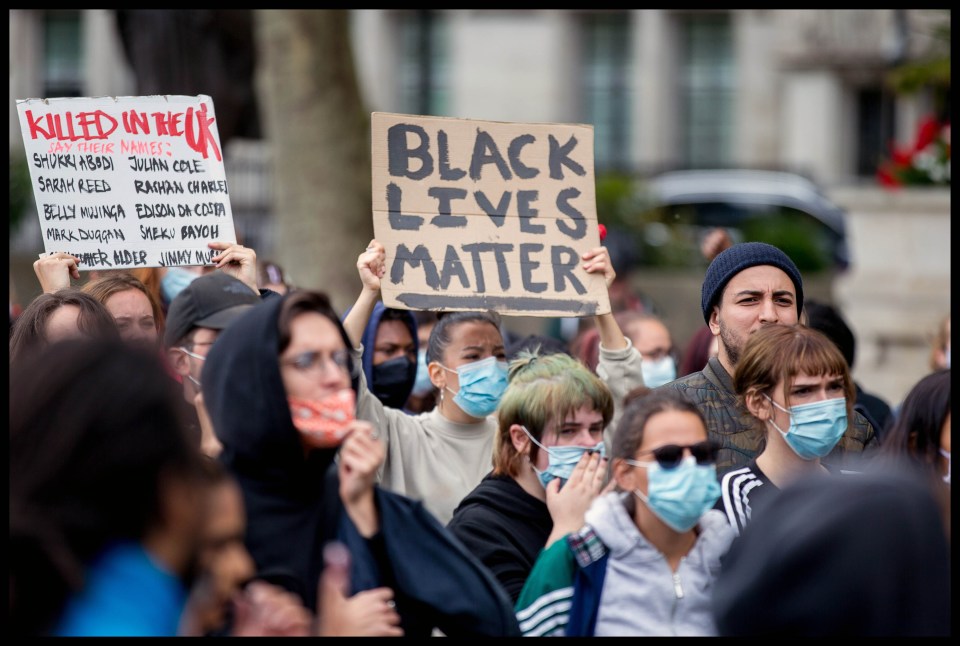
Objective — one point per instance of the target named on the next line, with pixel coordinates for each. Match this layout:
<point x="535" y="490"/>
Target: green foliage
<point x="800" y="238"/>
<point x="21" y="192"/>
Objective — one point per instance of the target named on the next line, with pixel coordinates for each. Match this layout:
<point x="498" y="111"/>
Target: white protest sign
<point x="125" y="182"/>
<point x="479" y="215"/>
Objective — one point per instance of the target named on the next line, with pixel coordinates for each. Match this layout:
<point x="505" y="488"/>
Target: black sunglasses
<point x="669" y="456"/>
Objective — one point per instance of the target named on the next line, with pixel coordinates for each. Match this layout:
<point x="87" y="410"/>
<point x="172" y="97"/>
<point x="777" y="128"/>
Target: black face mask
<point x="393" y="381"/>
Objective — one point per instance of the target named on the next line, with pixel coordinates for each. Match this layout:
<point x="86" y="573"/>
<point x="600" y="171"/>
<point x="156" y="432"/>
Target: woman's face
<point x="320" y="355"/>
<point x="134" y="316"/>
<point x="682" y="428"/>
<point x="469" y="342"/>
<point x="583" y="427"/>
<point x="806" y="389"/>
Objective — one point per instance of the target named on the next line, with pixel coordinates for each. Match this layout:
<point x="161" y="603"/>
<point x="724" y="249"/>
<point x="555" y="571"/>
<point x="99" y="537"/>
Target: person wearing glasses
<point x="645" y="561"/>
<point x="279" y="390"/>
<point x="797" y="384"/>
<point x="441" y="455"/>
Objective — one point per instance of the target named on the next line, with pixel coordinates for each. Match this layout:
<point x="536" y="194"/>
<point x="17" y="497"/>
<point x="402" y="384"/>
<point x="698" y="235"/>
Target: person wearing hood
<point x="548" y="465"/>
<point x="280" y="392"/>
<point x="391" y="369"/>
<point x="646" y="559"/>
<point x="441" y="455"/>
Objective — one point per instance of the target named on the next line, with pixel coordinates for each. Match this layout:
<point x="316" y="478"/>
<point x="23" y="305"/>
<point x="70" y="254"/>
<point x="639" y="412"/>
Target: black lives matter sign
<point x="486" y="215"/>
<point x="125" y="182"/>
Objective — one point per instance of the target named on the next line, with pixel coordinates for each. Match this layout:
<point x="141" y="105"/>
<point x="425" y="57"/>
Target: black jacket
<point x="293" y="505"/>
<point x="503" y="526"/>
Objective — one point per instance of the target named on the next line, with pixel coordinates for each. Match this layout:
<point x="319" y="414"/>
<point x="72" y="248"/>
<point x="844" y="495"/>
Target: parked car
<point x="678" y="208"/>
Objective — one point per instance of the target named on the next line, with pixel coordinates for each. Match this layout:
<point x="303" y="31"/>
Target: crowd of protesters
<point x="216" y="451"/>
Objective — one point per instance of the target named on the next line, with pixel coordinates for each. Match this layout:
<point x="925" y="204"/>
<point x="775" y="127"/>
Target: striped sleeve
<point x="735" y="487"/>
<point x="543" y="608"/>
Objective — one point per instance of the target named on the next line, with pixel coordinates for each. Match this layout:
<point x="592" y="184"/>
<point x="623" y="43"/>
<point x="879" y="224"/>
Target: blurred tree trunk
<point x="318" y="130"/>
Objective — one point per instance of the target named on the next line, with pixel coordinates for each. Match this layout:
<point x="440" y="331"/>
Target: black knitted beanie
<point x="735" y="259"/>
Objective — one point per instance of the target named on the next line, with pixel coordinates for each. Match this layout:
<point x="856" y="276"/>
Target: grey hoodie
<point x="641" y="596"/>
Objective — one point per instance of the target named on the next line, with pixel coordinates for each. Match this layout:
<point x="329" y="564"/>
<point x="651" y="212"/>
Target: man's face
<point x="187" y="359"/>
<point x="225" y="564"/>
<point x="757" y="296"/>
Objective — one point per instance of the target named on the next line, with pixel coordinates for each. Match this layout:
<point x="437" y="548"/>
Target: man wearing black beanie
<point x="747" y="286"/>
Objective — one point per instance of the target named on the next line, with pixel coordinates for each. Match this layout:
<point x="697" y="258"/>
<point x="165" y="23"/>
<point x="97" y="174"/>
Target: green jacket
<point x="741" y="436"/>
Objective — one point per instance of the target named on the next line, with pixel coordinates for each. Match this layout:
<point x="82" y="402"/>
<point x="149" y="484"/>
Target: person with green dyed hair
<point x="548" y="465"/>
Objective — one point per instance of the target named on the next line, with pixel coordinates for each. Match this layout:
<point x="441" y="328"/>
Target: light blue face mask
<point x="174" y="281"/>
<point x="481" y="386"/>
<point x="422" y="385"/>
<point x="814" y="428"/>
<point x="681" y="495"/>
<point x="562" y="460"/>
<point x="657" y="373"/>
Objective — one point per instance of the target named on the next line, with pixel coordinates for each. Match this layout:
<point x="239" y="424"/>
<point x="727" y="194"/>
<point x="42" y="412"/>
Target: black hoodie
<point x="290" y="512"/>
<point x="503" y="526"/>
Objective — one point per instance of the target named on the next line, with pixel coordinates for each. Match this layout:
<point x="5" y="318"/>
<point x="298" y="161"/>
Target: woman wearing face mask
<point x="440" y="456"/>
<point x="280" y="396"/>
<point x="796" y="381"/>
<point x="645" y="561"/>
<point x="548" y="465"/>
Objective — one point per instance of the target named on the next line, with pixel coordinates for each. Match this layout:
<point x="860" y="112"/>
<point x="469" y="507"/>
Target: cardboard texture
<point x="125" y="182"/>
<point x="486" y="215"/>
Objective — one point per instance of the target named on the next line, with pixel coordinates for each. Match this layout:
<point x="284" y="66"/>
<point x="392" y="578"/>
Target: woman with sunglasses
<point x="440" y="456"/>
<point x="796" y="381"/>
<point x="646" y="559"/>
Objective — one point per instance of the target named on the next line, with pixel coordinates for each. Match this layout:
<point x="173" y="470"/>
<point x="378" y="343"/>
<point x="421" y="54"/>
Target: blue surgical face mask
<point x="481" y="386"/>
<point x="174" y="281"/>
<point x="681" y="495"/>
<point x="562" y="460"/>
<point x="422" y="384"/>
<point x="657" y="373"/>
<point x="814" y="428"/>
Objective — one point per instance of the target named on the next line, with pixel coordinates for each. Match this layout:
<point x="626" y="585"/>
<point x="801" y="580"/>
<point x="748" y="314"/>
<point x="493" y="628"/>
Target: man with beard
<point x="747" y="286"/>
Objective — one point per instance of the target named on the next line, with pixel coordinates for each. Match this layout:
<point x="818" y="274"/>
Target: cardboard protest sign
<point x="486" y="215"/>
<point x="126" y="182"/>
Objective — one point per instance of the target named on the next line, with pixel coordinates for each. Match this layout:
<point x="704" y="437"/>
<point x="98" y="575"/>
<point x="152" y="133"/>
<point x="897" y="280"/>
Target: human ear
<point x="714" y="321"/>
<point x="758" y="405"/>
<point x="178" y="361"/>
<point x="519" y="439"/>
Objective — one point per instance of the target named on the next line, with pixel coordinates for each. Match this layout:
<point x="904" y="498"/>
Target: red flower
<point x="603" y="232"/>
<point x="927" y="133"/>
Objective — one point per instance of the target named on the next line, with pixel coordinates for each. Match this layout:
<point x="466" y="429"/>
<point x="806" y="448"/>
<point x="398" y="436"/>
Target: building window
<point x="605" y="90"/>
<point x="63" y="54"/>
<point x="875" y="129"/>
<point x="707" y="79"/>
<point x="424" y="67"/>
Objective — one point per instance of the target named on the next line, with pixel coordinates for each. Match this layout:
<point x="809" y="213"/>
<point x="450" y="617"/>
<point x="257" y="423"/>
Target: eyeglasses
<point x="669" y="456"/>
<point x="307" y="360"/>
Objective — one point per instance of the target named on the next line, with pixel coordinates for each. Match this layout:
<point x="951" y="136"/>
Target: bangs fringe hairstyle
<point x="543" y="388"/>
<point x="781" y="352"/>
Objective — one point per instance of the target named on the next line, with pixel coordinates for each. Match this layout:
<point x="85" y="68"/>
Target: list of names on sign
<point x="125" y="182"/>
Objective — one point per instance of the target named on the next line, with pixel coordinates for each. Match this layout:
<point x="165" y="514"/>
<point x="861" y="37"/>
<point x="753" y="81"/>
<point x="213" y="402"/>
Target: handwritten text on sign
<point x="486" y="215"/>
<point x="128" y="181"/>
